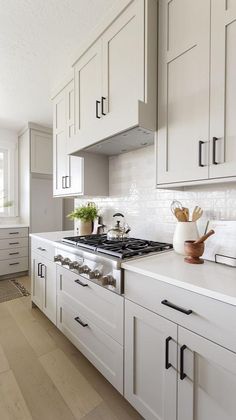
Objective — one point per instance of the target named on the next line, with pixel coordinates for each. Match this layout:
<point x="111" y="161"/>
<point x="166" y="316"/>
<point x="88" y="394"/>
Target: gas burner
<point x="126" y="248"/>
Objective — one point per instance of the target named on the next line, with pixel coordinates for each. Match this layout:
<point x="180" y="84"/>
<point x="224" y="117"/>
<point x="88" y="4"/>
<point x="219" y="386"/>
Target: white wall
<point x="10" y="136"/>
<point x="147" y="210"/>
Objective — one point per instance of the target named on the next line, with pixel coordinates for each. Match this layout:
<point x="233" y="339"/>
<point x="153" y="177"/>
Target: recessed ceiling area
<point x="39" y="40"/>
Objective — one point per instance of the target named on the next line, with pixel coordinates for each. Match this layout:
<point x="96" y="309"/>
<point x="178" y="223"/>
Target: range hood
<point x="126" y="141"/>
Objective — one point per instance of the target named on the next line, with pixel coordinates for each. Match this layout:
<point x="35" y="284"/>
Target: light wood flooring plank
<point x="12" y="403"/>
<point x="101" y="412"/>
<point x="41" y="396"/>
<point x="3" y="361"/>
<point x="35" y="334"/>
<point x="73" y="387"/>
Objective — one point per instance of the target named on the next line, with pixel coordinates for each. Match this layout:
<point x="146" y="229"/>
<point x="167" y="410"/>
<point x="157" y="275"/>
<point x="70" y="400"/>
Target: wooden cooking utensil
<point x="186" y="212"/>
<point x="204" y="237"/>
<point x="180" y="215"/>
<point x="197" y="213"/>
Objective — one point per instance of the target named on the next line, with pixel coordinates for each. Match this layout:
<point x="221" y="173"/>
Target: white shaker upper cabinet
<point x="41" y="152"/>
<point x="150" y="363"/>
<point x="208" y="385"/>
<point x="68" y="175"/>
<point x="123" y="70"/>
<point x="88" y="92"/>
<point x="223" y="89"/>
<point x="183" y="91"/>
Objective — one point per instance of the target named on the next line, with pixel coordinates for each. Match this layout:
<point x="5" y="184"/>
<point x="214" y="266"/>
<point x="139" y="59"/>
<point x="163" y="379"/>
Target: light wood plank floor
<point x="44" y="377"/>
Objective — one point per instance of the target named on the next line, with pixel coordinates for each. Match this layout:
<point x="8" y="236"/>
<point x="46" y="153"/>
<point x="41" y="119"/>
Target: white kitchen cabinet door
<point x="41" y="152"/>
<point x="183" y="91"/>
<point x="49" y="291"/>
<point x="68" y="170"/>
<point x="88" y="92"/>
<point x="150" y="343"/>
<point x="123" y="70"/>
<point x="208" y="390"/>
<point x="223" y="89"/>
<point x="36" y="281"/>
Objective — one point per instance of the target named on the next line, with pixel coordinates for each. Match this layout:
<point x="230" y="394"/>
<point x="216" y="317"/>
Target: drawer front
<point x="8" y="254"/>
<point x="103" y="307"/>
<point x="43" y="248"/>
<point x="99" y="348"/>
<point x="13" y="233"/>
<point x="209" y="318"/>
<point x="13" y="266"/>
<point x="13" y="243"/>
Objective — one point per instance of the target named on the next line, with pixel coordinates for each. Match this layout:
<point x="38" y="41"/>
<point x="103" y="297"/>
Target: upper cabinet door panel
<point x="123" y="69"/>
<point x="223" y="89"/>
<point x="183" y="120"/>
<point x="41" y="152"/>
<point x="88" y="82"/>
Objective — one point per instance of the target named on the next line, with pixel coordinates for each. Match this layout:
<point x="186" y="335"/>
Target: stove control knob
<point x="84" y="269"/>
<point x="108" y="281"/>
<point x="74" y="265"/>
<point x="66" y="261"/>
<point x="58" y="258"/>
<point x="95" y="274"/>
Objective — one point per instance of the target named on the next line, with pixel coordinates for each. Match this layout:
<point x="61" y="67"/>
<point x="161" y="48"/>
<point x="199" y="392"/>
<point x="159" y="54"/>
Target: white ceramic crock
<point x="184" y="231"/>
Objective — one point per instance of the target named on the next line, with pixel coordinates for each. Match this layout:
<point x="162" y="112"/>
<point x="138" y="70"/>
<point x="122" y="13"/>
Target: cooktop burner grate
<point x="126" y="248"/>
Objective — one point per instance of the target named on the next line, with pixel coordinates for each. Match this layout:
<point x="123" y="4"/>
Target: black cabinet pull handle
<point x="214" y="140"/>
<point x="13" y="253"/>
<point x="102" y="101"/>
<point x="16" y="263"/>
<point x="40" y="270"/>
<point x="77" y="319"/>
<point x="67" y="185"/>
<point x="200" y="143"/>
<point x="181" y="368"/>
<point x="63" y="181"/>
<point x="81" y="283"/>
<point x="13" y="243"/>
<point x="13" y="233"/>
<point x="177" y="308"/>
<point x="167" y="363"/>
<point x="97" y="104"/>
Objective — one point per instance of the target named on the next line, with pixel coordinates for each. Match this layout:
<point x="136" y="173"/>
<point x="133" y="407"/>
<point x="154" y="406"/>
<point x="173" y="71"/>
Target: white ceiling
<point x="39" y="40"/>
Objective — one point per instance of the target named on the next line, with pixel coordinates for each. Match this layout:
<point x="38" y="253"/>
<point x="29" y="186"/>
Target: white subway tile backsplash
<point x="146" y="209"/>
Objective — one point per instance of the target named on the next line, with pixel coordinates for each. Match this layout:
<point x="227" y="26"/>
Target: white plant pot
<point x="82" y="228"/>
<point x="184" y="231"/>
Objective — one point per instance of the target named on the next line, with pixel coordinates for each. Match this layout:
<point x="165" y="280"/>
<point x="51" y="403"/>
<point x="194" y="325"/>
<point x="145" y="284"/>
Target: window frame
<point x="12" y="177"/>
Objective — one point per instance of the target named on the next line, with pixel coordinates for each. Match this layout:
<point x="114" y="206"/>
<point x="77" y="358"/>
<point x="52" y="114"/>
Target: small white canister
<point x="184" y="231"/>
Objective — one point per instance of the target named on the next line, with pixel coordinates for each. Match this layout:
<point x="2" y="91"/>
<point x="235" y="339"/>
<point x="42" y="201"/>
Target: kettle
<point x="118" y="232"/>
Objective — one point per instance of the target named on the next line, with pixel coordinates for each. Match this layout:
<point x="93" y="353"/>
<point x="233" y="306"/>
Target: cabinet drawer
<point x="8" y="254"/>
<point x="13" y="266"/>
<point x="210" y="318"/>
<point x="13" y="233"/>
<point x="101" y="306"/>
<point x="100" y="349"/>
<point x="43" y="248"/>
<point x="13" y="243"/>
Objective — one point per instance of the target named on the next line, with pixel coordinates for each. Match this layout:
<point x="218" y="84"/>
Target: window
<point x="8" y="178"/>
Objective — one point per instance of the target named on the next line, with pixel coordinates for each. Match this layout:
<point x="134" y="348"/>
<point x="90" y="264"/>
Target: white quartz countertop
<point x="210" y="279"/>
<point x="53" y="236"/>
<point x="13" y="226"/>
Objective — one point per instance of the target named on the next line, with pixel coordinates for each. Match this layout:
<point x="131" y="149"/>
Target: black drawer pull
<point x="102" y="101"/>
<point x="16" y="263"/>
<point x="177" y="308"/>
<point x="97" y="104"/>
<point x="200" y="143"/>
<point x="81" y="283"/>
<point x="13" y="253"/>
<point x="13" y="233"/>
<point x="77" y="319"/>
<point x="41" y="249"/>
<point x="13" y="243"/>
<point x="181" y="368"/>
<point x="167" y="363"/>
<point x="214" y="140"/>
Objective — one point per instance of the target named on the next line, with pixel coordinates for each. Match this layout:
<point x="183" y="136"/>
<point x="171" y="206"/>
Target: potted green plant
<point x="84" y="217"/>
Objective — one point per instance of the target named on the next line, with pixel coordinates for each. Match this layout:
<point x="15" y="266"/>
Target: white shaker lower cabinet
<point x="150" y="363"/>
<point x="43" y="278"/>
<point x="208" y="386"/>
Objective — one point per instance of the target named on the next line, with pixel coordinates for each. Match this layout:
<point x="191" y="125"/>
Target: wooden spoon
<point x="204" y="237"/>
<point x="180" y="215"/>
<point x="186" y="212"/>
<point x="197" y="213"/>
